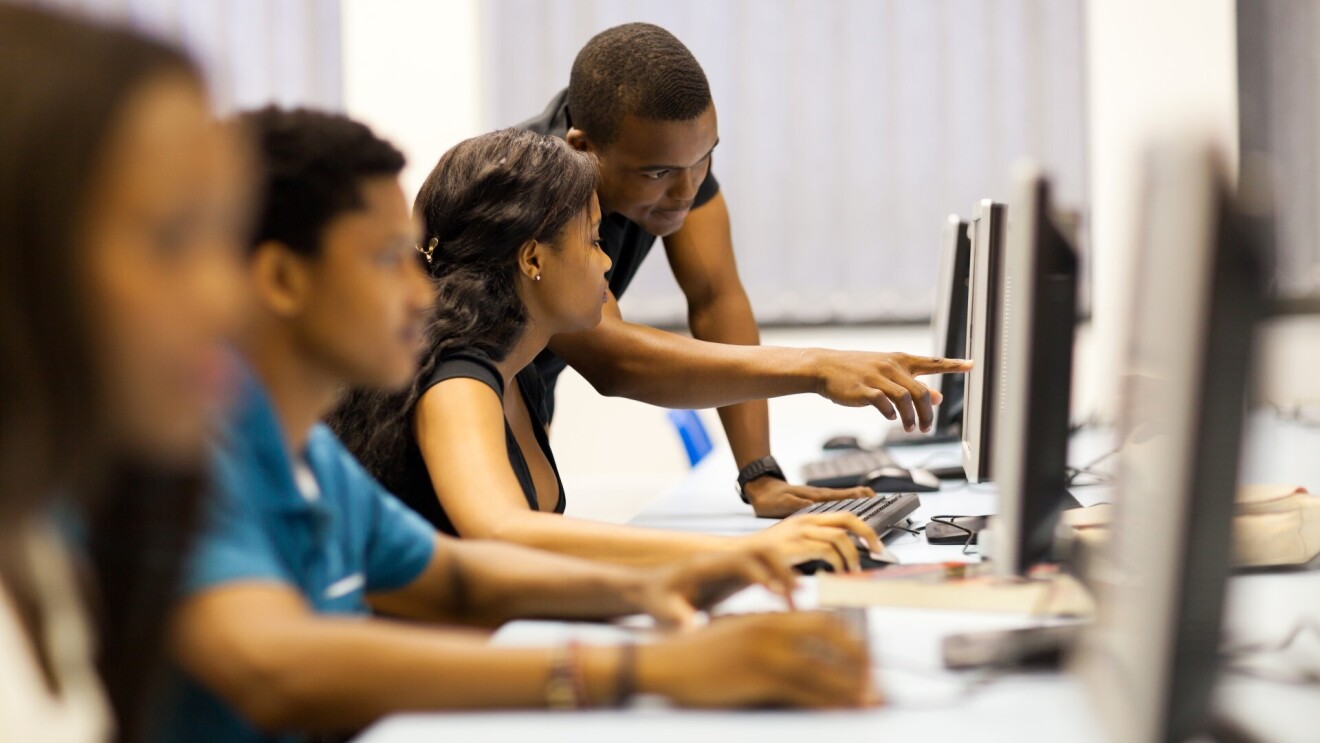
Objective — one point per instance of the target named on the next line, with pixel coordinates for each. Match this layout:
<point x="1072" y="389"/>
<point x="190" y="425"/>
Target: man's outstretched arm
<point x="623" y="359"/>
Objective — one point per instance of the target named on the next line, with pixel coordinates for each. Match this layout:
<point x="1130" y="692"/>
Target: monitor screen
<point x="949" y="325"/>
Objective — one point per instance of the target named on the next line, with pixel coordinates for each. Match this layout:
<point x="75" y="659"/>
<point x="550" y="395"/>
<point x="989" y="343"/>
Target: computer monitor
<point x="949" y="328"/>
<point x="1150" y="657"/>
<point x="950" y="323"/>
<point x="1037" y="318"/>
<point x="986" y="234"/>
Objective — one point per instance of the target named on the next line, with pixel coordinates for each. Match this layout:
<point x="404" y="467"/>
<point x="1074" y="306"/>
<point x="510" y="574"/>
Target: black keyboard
<point x="872" y="467"/>
<point x="881" y="512"/>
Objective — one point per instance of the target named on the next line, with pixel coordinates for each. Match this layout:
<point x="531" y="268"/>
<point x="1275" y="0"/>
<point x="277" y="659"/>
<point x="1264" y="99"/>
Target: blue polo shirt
<point x="352" y="538"/>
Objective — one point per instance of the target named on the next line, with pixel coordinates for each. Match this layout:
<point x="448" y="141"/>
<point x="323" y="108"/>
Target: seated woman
<point x="511" y="239"/>
<point x="120" y="223"/>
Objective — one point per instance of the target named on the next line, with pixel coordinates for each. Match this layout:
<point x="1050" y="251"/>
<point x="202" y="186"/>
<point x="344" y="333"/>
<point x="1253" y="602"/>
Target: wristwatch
<point x="763" y="467"/>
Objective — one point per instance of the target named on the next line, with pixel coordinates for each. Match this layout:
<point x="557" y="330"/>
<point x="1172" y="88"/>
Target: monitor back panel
<point x="984" y="299"/>
<point x="1151" y="656"/>
<point x="1035" y="377"/>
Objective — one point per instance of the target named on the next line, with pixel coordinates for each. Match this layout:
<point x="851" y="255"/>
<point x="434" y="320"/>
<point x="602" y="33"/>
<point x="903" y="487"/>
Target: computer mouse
<point x="811" y="567"/>
<point x="954" y="472"/>
<point x="899" y="480"/>
<point x="865" y="557"/>
<point x="842" y="443"/>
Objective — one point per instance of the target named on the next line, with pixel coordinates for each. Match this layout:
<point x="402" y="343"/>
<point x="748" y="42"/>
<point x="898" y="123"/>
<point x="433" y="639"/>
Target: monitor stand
<point x="1067" y="502"/>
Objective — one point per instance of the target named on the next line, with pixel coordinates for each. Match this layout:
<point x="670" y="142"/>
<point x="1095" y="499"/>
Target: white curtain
<point x="1279" y="111"/>
<point x="253" y="51"/>
<point x="849" y="129"/>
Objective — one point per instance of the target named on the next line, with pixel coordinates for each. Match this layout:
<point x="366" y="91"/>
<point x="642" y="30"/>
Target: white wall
<point x="1155" y="68"/>
<point x="412" y="71"/>
<point x="253" y="52"/>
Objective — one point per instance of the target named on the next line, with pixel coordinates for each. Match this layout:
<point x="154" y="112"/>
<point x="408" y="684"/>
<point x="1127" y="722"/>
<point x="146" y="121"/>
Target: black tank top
<point x="412" y="482"/>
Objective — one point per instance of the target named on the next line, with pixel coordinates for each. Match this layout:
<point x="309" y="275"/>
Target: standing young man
<point x="640" y="102"/>
<point x="273" y="632"/>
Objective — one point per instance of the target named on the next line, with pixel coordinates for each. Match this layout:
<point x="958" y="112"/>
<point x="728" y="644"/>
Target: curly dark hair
<point x="313" y="164"/>
<point x="483" y="201"/>
<point x="636" y="69"/>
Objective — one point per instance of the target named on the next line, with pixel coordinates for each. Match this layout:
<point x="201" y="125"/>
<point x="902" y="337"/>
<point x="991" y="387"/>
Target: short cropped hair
<point x="636" y="69"/>
<point x="312" y="166"/>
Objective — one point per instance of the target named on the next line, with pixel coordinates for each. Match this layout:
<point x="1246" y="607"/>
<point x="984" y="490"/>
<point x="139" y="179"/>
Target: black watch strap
<point x="763" y="467"/>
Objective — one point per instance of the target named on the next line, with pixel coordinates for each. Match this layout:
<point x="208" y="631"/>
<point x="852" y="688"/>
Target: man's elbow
<point x="702" y="308"/>
<point x="714" y="312"/>
<point x="608" y="377"/>
<point x="615" y="386"/>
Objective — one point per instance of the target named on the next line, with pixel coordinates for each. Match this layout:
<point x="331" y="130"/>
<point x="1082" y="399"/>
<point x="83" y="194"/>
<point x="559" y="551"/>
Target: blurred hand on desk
<point x="797" y="659"/>
<point x="675" y="594"/>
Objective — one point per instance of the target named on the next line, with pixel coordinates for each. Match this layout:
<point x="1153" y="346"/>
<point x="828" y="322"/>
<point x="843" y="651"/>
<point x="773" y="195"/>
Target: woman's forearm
<point x="621" y="545"/>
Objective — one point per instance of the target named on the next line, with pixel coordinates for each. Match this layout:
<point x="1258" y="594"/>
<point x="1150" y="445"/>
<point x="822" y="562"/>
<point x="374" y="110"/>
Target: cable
<point x="1300" y="628"/>
<point x="1302" y="413"/>
<point x="1304" y="676"/>
<point x="1235" y="657"/>
<point x="1094" y="420"/>
<point x="1101" y="478"/>
<point x="951" y="521"/>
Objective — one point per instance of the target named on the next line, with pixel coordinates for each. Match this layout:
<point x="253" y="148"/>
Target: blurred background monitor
<point x="1151" y="656"/>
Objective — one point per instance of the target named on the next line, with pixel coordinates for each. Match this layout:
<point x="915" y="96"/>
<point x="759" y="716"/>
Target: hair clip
<point x="429" y="250"/>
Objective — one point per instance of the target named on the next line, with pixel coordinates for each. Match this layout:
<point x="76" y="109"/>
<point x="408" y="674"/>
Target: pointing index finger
<point x="930" y="365"/>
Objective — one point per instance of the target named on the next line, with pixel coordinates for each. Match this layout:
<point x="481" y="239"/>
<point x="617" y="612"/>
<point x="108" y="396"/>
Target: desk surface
<point x="905" y="643"/>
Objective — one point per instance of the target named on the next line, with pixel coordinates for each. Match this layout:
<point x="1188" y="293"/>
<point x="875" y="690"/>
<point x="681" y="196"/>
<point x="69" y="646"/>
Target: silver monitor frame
<point x="987" y="228"/>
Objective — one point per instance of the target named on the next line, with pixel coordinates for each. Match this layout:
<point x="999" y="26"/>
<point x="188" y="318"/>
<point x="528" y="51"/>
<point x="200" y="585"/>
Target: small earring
<point x="536" y="277"/>
<point x="429" y="250"/>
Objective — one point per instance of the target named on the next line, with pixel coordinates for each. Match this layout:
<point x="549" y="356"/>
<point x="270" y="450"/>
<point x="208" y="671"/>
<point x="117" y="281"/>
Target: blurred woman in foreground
<point x="119" y="286"/>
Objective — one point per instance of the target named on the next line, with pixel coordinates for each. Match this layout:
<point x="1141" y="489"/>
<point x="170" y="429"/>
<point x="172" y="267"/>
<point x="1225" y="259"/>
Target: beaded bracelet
<point x="565" y="690"/>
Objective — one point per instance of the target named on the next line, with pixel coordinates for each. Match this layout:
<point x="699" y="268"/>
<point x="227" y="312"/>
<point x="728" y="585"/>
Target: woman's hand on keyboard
<point x="818" y="536"/>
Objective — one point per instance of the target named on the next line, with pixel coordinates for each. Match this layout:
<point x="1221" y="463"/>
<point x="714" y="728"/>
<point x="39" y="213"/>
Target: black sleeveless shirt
<point x="412" y="481"/>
